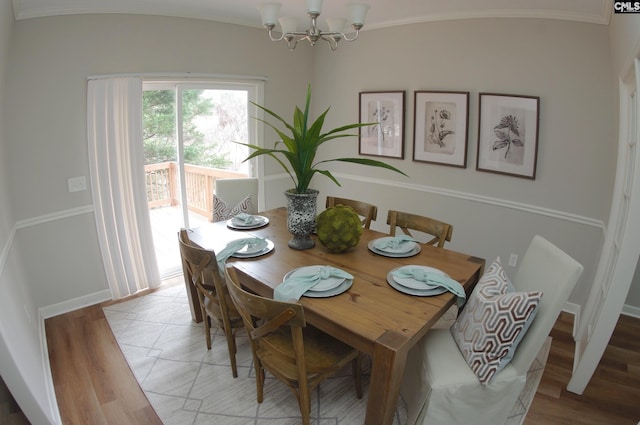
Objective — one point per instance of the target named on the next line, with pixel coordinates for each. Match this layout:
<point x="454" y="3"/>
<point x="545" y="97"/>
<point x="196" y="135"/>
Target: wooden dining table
<point x="370" y="316"/>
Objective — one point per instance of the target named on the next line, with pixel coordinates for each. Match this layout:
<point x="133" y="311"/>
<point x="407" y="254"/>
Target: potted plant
<point x="296" y="153"/>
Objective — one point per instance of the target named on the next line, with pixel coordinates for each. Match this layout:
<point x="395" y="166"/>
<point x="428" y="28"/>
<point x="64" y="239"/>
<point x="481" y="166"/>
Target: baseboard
<point x="629" y="310"/>
<point x="574" y="309"/>
<point x="75" y="304"/>
<point x="48" y="377"/>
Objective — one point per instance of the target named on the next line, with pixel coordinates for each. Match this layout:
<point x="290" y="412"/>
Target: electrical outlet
<point x="513" y="260"/>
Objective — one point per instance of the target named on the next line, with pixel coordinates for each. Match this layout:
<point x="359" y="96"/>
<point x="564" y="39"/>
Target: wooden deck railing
<point x="162" y="186"/>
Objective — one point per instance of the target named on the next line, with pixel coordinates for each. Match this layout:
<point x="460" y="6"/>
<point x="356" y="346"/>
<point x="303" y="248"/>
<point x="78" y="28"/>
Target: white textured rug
<point x="189" y="385"/>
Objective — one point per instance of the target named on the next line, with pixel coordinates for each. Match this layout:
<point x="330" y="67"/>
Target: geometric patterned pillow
<point x="221" y="210"/>
<point x="492" y="322"/>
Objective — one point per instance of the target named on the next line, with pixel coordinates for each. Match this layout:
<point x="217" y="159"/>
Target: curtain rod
<point x="161" y="75"/>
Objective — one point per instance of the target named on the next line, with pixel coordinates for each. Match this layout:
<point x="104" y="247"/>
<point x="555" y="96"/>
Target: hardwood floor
<point x="92" y="380"/>
<point x="613" y="394"/>
<point x="95" y="386"/>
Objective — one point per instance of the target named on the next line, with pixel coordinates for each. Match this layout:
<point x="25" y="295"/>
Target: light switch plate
<point x="77" y="184"/>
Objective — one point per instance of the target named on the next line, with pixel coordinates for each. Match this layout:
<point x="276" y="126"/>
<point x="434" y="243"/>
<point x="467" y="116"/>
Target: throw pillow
<point x="221" y="211"/>
<point x="493" y="322"/>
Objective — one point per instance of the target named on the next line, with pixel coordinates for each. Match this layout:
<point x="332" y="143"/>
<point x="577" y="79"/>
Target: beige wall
<point x="6" y="27"/>
<point x="566" y="64"/>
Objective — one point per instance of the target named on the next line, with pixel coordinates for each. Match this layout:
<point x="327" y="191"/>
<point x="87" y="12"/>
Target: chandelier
<point x="289" y="25"/>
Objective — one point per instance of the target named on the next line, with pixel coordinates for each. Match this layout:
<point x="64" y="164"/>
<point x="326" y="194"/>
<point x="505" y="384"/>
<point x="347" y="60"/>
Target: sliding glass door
<point x="190" y="130"/>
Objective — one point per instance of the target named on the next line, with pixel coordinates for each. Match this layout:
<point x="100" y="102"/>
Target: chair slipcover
<point x="233" y="191"/>
<point x="438" y="385"/>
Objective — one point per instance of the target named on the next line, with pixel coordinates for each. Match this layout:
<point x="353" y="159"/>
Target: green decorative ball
<point x="338" y="228"/>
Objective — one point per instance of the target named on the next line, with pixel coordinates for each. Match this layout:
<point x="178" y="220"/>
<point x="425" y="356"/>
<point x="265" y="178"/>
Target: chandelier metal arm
<point x="313" y="34"/>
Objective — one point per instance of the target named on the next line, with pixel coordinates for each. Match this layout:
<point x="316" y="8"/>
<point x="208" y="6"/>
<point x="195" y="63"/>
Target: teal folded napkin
<point x="232" y="247"/>
<point x="431" y="280"/>
<point x="298" y="283"/>
<point x="392" y="242"/>
<point x="244" y="218"/>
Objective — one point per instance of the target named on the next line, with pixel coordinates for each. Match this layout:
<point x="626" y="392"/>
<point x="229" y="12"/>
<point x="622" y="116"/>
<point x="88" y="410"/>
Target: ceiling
<point x="383" y="13"/>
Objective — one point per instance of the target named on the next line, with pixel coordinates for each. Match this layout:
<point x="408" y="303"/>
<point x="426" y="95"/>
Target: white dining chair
<point x="439" y="386"/>
<point x="232" y="195"/>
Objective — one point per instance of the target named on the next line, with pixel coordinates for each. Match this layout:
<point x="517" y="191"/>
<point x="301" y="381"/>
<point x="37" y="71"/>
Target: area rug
<point x="189" y="385"/>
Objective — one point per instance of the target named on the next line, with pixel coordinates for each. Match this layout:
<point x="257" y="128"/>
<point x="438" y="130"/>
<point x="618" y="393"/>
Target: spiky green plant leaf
<point x="298" y="154"/>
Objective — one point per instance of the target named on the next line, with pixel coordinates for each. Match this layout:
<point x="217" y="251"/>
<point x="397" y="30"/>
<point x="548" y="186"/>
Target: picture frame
<point x="508" y="134"/>
<point x="440" y="123"/>
<point x="386" y="137"/>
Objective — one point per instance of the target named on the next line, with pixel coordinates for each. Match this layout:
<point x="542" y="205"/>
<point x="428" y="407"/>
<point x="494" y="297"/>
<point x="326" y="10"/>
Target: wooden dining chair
<point x="201" y="268"/>
<point x="298" y="354"/>
<point x="440" y="231"/>
<point x="368" y="212"/>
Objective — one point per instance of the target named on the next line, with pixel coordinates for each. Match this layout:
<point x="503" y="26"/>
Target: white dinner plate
<point x="414" y="251"/>
<point x="259" y="221"/>
<point x="410" y="291"/>
<point x="323" y="285"/>
<point x="268" y="248"/>
<point x="403" y="247"/>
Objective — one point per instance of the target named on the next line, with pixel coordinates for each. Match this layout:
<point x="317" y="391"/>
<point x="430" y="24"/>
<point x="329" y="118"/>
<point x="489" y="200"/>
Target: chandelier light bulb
<point x="358" y="12"/>
<point x="314" y="6"/>
<point x="269" y="13"/>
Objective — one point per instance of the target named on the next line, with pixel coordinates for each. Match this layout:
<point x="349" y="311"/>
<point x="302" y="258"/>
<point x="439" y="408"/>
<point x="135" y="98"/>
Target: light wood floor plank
<point x="93" y="382"/>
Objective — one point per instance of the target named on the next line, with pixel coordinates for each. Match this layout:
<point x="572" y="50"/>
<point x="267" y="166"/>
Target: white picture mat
<point x="454" y="151"/>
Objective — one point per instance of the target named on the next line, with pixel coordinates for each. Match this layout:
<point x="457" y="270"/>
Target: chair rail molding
<point x="533" y="209"/>
<point x="54" y="216"/>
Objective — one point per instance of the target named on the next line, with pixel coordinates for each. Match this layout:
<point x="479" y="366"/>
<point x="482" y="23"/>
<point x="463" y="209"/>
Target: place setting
<point x="424" y="281"/>
<point x="316" y="281"/>
<point x="244" y="248"/>
<point x="400" y="246"/>
<point x="244" y="221"/>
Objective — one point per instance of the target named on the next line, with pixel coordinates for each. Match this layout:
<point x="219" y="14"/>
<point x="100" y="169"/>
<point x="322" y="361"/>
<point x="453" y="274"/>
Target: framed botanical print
<point x="440" y="125"/>
<point x="508" y="134"/>
<point x="385" y="111"/>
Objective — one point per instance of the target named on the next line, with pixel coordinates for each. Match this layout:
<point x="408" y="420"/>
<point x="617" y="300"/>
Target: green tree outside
<point x="159" y="119"/>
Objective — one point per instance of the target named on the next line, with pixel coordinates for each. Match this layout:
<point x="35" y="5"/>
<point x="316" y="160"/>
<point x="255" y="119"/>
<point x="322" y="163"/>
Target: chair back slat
<point x="367" y="211"/>
<point x="441" y="231"/>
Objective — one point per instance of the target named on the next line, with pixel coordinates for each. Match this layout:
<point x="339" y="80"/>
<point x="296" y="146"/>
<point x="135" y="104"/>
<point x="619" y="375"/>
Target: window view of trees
<point x="212" y="120"/>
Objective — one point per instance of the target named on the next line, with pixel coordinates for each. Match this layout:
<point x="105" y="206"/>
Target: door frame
<point x="621" y="249"/>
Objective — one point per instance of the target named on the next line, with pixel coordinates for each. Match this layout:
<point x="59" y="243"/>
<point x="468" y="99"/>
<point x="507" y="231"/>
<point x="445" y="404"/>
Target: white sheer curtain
<point x="116" y="162"/>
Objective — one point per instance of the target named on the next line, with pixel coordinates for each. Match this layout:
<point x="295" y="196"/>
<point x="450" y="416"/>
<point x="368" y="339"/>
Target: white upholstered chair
<point x="439" y="386"/>
<point x="233" y="192"/>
